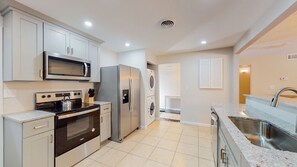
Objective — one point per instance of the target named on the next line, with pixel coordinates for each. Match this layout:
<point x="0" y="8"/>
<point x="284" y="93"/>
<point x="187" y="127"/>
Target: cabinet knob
<point x="72" y="51"/>
<point x="68" y="50"/>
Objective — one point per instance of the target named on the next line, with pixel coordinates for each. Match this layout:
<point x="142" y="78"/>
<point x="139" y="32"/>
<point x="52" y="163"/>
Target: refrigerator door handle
<point x="130" y="95"/>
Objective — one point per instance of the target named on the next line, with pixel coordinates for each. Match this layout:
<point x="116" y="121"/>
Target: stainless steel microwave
<point x="61" y="67"/>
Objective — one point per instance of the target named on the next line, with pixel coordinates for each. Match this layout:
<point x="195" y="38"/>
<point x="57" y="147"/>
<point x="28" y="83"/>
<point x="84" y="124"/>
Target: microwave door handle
<point x="86" y="70"/>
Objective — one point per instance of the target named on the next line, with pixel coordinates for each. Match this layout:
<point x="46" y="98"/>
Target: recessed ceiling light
<point x="203" y="42"/>
<point x="88" y="23"/>
<point x="127" y="44"/>
<point x="167" y="23"/>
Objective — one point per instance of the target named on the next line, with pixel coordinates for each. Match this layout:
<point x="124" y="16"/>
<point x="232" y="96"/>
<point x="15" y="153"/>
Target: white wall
<point x="195" y="102"/>
<point x="266" y="71"/>
<point x="137" y="59"/>
<point x="24" y="92"/>
<point x="108" y="57"/>
<point x="169" y="81"/>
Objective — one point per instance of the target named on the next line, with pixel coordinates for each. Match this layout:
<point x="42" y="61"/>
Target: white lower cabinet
<point x="38" y="150"/>
<point x="226" y="155"/>
<point x="105" y="122"/>
<point x="29" y="144"/>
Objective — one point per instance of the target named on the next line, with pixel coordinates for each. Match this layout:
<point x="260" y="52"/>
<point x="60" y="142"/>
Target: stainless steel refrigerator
<point x="121" y="86"/>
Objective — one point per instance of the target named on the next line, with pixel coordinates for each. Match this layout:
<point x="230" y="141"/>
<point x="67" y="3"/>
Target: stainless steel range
<point x="77" y="125"/>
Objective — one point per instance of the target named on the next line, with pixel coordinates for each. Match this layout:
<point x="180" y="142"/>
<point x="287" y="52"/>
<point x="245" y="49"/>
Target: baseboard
<point x="195" y="123"/>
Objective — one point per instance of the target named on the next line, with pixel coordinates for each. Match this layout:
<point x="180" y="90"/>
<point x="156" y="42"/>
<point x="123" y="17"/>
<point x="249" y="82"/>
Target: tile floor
<point x="170" y="116"/>
<point x="162" y="144"/>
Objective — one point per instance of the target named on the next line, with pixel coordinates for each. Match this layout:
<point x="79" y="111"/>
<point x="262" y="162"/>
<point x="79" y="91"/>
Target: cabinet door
<point x="79" y="46"/>
<point x="105" y="126"/>
<point x="95" y="64"/>
<point x="56" y="39"/>
<point x="27" y="48"/>
<point x="38" y="150"/>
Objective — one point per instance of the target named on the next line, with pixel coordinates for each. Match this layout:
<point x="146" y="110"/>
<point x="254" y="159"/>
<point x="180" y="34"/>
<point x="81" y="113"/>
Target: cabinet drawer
<point x="38" y="126"/>
<point x="105" y="108"/>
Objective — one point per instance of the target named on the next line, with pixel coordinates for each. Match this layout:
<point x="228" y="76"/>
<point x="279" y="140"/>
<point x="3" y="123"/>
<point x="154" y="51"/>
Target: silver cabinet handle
<point x="68" y="50"/>
<point x="224" y="157"/>
<point x="72" y="51"/>
<point x="39" y="127"/>
<point x="51" y="139"/>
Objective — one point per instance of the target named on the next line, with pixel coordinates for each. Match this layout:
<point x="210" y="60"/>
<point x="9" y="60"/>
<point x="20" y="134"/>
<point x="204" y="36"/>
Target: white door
<point x="79" y="46"/>
<point x="56" y="39"/>
<point x="95" y="64"/>
<point x="105" y="126"/>
<point x="27" y="47"/>
<point x="38" y="150"/>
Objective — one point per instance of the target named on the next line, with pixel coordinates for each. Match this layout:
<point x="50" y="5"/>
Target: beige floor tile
<point x="150" y="163"/>
<point x="112" y="157"/>
<point x="132" y="161"/>
<point x="175" y="130"/>
<point x="203" y="142"/>
<point x="111" y="144"/>
<point x="183" y="160"/>
<point x="84" y="163"/>
<point x="187" y="149"/>
<point x="143" y="131"/>
<point x="189" y="140"/>
<point x="205" y="153"/>
<point x="167" y="144"/>
<point x="162" y="156"/>
<point x="191" y="132"/>
<point x="151" y="140"/>
<point x="126" y="146"/>
<point x="136" y="137"/>
<point x="99" y="153"/>
<point x="157" y="133"/>
<point x="205" y="135"/>
<point x="97" y="164"/>
<point x="206" y="163"/>
<point x="142" y="150"/>
<point x="171" y="136"/>
<point x="204" y="129"/>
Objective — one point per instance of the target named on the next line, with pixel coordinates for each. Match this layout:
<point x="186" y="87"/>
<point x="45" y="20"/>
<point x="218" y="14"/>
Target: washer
<point x="151" y="82"/>
<point x="151" y="110"/>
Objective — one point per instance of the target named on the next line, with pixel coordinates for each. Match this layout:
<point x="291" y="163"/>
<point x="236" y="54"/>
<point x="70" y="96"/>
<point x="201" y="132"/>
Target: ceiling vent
<point x="292" y="56"/>
<point x="167" y="24"/>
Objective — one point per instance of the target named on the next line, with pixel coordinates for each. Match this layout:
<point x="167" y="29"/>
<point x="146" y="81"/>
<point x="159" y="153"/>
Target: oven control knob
<point x="49" y="96"/>
<point x="93" y="130"/>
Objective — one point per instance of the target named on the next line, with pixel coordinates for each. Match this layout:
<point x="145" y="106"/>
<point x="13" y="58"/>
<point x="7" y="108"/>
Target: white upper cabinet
<point x="23" y="47"/>
<point x="211" y="73"/>
<point x="94" y="52"/>
<point x="79" y="46"/>
<point x="56" y="39"/>
<point x="59" y="40"/>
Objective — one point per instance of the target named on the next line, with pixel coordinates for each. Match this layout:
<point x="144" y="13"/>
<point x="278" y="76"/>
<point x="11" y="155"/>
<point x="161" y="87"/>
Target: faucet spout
<point x="274" y="102"/>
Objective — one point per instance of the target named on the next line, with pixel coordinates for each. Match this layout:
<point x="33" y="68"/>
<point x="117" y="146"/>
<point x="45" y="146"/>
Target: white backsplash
<point x="20" y="96"/>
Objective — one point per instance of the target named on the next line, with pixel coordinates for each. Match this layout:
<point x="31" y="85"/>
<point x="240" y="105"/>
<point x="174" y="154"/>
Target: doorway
<point x="244" y="82"/>
<point x="169" y="81"/>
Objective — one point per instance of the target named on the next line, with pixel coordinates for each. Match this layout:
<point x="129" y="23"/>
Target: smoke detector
<point x="167" y="23"/>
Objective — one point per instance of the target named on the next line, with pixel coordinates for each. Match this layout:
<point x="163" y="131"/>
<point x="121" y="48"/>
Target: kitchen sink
<point x="264" y="134"/>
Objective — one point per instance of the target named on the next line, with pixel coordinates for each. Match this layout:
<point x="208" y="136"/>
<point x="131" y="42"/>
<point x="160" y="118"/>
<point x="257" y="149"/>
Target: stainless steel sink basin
<point x="264" y="134"/>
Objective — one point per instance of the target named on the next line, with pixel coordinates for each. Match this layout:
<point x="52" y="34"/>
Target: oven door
<point x="75" y="129"/>
<point x="60" y="67"/>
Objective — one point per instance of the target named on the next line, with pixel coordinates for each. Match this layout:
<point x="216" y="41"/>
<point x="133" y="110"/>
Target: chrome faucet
<point x="274" y="102"/>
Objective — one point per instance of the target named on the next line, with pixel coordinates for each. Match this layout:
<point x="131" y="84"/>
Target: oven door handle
<point x="77" y="114"/>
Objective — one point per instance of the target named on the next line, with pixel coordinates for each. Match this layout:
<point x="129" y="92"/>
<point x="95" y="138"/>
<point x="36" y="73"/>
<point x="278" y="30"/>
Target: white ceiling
<point x="221" y="22"/>
<point x="281" y="40"/>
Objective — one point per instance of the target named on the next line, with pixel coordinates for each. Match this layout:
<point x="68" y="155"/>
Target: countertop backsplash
<point x="20" y="96"/>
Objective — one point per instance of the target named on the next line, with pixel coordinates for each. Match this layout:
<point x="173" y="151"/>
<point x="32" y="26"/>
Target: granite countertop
<point x="28" y="116"/>
<point x="256" y="156"/>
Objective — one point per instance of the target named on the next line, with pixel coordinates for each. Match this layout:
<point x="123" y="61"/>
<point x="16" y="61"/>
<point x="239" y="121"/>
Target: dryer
<point x="151" y="110"/>
<point x="151" y="80"/>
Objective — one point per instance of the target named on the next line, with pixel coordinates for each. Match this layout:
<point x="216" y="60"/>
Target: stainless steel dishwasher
<point x="214" y="135"/>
